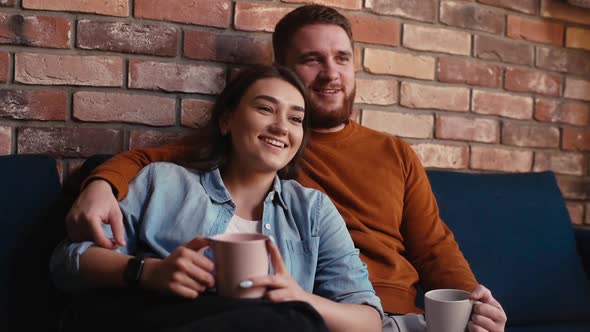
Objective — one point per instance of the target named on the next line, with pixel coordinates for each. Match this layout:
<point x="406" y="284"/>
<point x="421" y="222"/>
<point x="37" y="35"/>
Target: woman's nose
<point x="279" y="126"/>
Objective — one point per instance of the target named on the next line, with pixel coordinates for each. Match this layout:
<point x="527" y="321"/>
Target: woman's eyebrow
<point x="276" y="102"/>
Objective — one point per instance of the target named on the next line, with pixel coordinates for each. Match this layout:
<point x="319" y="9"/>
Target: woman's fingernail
<point x="246" y="284"/>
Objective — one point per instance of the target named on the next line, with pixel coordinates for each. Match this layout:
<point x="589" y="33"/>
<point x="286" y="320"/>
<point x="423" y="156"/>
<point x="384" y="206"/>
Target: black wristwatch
<point x="133" y="271"/>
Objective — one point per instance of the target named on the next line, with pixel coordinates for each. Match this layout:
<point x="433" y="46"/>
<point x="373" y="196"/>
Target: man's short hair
<point x="300" y="17"/>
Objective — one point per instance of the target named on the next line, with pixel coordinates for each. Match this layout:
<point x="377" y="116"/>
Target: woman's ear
<point x="224" y="123"/>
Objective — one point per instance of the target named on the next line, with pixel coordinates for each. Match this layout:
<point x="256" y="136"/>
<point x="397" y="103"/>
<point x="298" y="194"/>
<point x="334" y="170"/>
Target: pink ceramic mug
<point x="447" y="310"/>
<point x="239" y="257"/>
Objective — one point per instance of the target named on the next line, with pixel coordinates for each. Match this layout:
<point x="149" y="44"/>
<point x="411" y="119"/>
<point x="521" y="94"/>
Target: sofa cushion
<point x="515" y="232"/>
<point x="31" y="227"/>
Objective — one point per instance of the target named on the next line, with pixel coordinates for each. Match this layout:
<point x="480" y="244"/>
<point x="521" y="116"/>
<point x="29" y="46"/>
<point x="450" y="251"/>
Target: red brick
<point x="69" y="142"/>
<point x="436" y="39"/>
<point x="33" y="105"/>
<point x="561" y="10"/>
<point x="530" y="135"/>
<point x="400" y="124"/>
<point x="168" y="76"/>
<point x="442" y="155"/>
<point x="523" y="6"/>
<point x="346" y="4"/>
<point x="467" y="129"/>
<point x="424" y="10"/>
<point x="151" y="138"/>
<point x="496" y="103"/>
<point x="524" y="80"/>
<point x="5" y="140"/>
<point x="535" y="30"/>
<point x="577" y="89"/>
<point x="50" y="69"/>
<point x="7" y="3"/>
<point x="468" y="15"/>
<point x="564" y="60"/>
<point x="118" y="107"/>
<point x="258" y="16"/>
<point x="455" y="70"/>
<point x="37" y="30"/>
<point x="195" y="113"/>
<point x="127" y="38"/>
<point x="553" y="110"/>
<point x="578" y="38"/>
<point x="500" y="159"/>
<point x="357" y="51"/>
<point x="375" y="30"/>
<point x="576" y="212"/>
<point x="427" y="96"/>
<point x="576" y="139"/>
<point x="214" y="13"/>
<point x="377" y="92"/>
<point x="560" y="162"/>
<point x="574" y="187"/>
<point x="379" y="61"/>
<point x="101" y="7"/>
<point x="500" y="49"/>
<point x="4" y="66"/>
<point x="205" y="45"/>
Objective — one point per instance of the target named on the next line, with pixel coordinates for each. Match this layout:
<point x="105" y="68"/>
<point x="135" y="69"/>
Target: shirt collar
<point x="215" y="189"/>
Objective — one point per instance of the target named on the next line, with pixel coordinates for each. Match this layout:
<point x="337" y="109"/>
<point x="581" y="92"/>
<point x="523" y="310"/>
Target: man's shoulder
<point x="368" y="134"/>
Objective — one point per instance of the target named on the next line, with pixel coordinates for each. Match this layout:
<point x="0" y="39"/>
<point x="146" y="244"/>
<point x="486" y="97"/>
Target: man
<point x="375" y="180"/>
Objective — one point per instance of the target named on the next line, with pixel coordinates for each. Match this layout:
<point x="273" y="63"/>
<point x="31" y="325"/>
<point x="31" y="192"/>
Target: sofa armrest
<point x="583" y="245"/>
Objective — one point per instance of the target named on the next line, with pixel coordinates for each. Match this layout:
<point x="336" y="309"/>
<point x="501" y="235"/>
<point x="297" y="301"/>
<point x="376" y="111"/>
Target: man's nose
<point x="330" y="71"/>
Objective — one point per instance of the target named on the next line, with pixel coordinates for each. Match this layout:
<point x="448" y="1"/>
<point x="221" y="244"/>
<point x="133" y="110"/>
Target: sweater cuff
<point x="119" y="185"/>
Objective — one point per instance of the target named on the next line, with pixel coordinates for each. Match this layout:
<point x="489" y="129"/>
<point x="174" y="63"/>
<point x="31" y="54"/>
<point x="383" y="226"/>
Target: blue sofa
<point x="513" y="228"/>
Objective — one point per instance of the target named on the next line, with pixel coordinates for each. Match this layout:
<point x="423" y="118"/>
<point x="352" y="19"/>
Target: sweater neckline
<point x="334" y="136"/>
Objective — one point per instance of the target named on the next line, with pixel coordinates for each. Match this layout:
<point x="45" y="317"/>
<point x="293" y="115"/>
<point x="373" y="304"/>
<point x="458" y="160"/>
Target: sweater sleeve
<point x="430" y="244"/>
<point x="120" y="170"/>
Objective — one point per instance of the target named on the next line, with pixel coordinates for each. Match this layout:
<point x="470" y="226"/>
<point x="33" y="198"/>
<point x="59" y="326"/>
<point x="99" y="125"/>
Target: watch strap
<point x="133" y="271"/>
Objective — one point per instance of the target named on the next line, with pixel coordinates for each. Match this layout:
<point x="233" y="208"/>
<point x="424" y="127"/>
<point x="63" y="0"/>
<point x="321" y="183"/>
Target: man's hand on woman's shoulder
<point x="96" y="205"/>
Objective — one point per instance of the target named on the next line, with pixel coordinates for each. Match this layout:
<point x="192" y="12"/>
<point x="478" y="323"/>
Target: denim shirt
<point x="169" y="205"/>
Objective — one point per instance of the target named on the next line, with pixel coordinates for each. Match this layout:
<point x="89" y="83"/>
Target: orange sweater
<point x="380" y="188"/>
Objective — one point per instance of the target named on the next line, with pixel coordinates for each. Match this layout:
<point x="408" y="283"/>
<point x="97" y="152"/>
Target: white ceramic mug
<point x="239" y="257"/>
<point x="447" y="310"/>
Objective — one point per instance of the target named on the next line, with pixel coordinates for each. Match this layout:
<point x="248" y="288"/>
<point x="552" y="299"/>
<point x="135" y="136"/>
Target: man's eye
<point x="310" y="60"/>
<point x="343" y="59"/>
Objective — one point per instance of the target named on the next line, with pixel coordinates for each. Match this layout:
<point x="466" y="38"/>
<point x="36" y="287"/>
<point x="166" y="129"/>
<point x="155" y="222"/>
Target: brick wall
<point x="487" y="85"/>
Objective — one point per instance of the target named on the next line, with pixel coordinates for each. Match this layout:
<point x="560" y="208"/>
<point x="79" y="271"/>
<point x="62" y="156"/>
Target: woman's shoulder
<point x="167" y="171"/>
<point x="292" y="191"/>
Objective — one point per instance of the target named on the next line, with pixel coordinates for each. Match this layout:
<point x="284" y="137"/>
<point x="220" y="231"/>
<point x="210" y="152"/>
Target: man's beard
<point x="326" y="118"/>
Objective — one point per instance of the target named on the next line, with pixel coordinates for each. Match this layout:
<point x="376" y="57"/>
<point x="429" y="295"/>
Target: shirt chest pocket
<point x="302" y="261"/>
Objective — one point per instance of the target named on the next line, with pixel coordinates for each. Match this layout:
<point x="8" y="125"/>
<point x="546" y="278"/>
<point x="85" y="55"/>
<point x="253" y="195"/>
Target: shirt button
<point x="267" y="226"/>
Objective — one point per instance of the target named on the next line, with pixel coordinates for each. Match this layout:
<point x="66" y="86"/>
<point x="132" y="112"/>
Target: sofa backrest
<point x="31" y="223"/>
<point x="516" y="233"/>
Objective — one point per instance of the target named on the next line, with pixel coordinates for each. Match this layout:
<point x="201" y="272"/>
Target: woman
<point x="241" y="183"/>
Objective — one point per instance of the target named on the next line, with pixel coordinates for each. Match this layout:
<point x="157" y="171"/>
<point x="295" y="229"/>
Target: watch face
<point x="133" y="271"/>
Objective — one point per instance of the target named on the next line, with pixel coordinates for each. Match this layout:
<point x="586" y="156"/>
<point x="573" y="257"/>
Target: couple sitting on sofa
<point x="391" y="216"/>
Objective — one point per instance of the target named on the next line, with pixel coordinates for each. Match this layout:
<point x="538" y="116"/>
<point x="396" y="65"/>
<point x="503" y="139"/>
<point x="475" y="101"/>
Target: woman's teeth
<point x="274" y="142"/>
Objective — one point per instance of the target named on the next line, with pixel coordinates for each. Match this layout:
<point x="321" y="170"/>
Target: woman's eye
<point x="297" y="119"/>
<point x="265" y="109"/>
